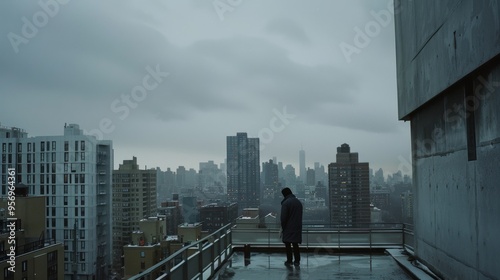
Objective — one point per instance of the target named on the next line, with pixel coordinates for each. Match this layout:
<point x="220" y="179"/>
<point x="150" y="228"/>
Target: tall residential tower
<point x="349" y="189"/>
<point x="243" y="170"/>
<point x="134" y="199"/>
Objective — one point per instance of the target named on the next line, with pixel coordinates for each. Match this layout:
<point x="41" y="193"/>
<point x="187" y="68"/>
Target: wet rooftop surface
<point x="270" y="266"/>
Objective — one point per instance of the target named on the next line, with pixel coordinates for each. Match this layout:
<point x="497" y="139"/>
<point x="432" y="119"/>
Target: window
<point x="76" y="211"/>
<point x="82" y="256"/>
<point x="4" y="147"/>
<point x="42" y="146"/>
<point x="82" y="200"/>
<point x="76" y="200"/>
<point x="82" y="211"/>
<point x="24" y="266"/>
<point x="65" y="211"/>
<point x="82" y="244"/>
<point x="82" y="145"/>
<point x="82" y="223"/>
<point x="65" y="222"/>
<point x="142" y="254"/>
<point x="76" y="145"/>
<point x="53" y="156"/>
<point x="66" y="146"/>
<point x="82" y="156"/>
<point x="65" y="189"/>
<point x="66" y="156"/>
<point x="82" y="167"/>
<point x="82" y="234"/>
<point x="19" y="147"/>
<point x="53" y="145"/>
<point x="83" y="189"/>
<point x="65" y="200"/>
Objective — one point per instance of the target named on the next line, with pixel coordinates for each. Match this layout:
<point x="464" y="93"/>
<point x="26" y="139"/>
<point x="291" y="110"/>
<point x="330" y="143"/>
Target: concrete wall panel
<point x="440" y="42"/>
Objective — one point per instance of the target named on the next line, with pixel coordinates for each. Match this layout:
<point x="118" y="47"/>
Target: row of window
<point x="51" y="212"/>
<point x="44" y="146"/>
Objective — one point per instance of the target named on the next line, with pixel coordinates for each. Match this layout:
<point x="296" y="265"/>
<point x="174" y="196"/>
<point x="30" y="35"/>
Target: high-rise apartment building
<point x="349" y="189"/>
<point x="243" y="170"/>
<point x="134" y="198"/>
<point x="73" y="173"/>
<point x="271" y="185"/>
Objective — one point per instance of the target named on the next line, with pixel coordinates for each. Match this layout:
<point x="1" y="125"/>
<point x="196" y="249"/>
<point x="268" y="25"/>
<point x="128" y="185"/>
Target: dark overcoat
<point x="291" y="219"/>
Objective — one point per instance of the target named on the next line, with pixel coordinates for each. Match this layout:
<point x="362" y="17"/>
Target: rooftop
<point x="314" y="266"/>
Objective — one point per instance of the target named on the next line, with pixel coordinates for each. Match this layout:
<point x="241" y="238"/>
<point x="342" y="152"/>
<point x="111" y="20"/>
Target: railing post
<point x="200" y="260"/>
<point x="167" y="269"/>
<point x="185" y="270"/>
<point x="403" y="231"/>
<point x="212" y="258"/>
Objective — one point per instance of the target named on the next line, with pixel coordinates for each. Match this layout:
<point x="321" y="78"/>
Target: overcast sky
<point x="167" y="81"/>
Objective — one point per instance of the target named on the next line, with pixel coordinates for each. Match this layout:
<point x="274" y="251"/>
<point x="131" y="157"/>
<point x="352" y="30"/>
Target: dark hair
<point x="286" y="191"/>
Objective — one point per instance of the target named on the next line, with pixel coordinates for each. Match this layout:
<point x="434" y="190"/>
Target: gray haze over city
<point x="167" y="81"/>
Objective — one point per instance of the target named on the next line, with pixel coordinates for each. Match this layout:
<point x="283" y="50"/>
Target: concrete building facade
<point x="448" y="65"/>
<point x="73" y="173"/>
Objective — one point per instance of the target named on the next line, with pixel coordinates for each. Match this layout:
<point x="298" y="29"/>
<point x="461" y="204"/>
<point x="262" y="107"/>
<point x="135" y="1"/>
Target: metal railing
<point x="324" y="236"/>
<point x="198" y="260"/>
<point x="201" y="259"/>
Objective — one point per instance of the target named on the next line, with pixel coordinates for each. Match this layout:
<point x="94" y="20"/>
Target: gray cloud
<point x="288" y="29"/>
<point x="225" y="77"/>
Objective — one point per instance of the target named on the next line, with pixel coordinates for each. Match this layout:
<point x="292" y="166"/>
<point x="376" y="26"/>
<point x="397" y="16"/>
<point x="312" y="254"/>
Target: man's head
<point x="286" y="191"/>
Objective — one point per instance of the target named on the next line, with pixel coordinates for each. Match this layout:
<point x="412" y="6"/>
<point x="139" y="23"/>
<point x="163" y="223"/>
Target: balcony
<point x="327" y="253"/>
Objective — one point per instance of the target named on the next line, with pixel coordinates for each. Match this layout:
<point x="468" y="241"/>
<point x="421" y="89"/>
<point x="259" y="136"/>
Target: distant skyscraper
<point x="349" y="189"/>
<point x="270" y="183"/>
<point x="243" y="170"/>
<point x="73" y="172"/>
<point x="302" y="165"/>
<point x="310" y="177"/>
<point x="134" y="199"/>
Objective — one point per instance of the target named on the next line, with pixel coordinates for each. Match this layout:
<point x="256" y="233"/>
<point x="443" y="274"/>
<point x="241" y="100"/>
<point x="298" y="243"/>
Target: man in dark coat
<point x="291" y="226"/>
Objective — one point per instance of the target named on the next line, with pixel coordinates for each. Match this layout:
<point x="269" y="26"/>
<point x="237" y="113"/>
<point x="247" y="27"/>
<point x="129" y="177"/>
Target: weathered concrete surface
<point x="440" y="42"/>
<point x="457" y="201"/>
<point x="448" y="71"/>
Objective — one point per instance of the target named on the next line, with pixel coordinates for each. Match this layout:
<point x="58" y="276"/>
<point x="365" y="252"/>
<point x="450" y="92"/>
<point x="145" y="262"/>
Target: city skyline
<point x="170" y="95"/>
